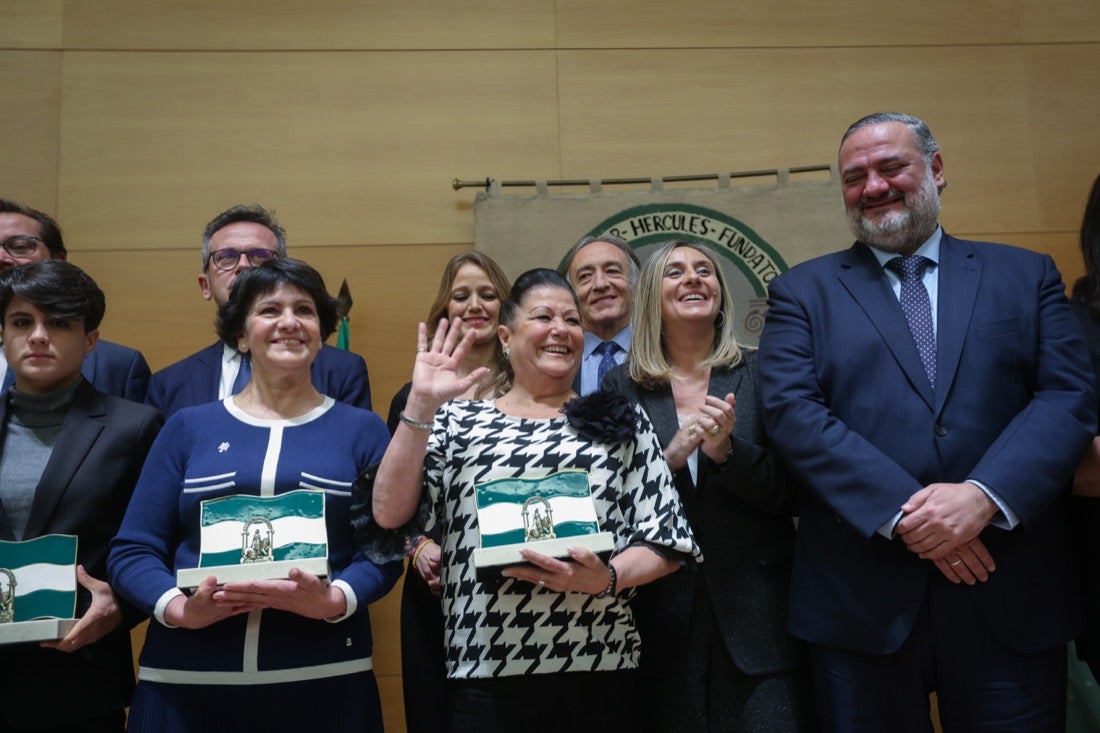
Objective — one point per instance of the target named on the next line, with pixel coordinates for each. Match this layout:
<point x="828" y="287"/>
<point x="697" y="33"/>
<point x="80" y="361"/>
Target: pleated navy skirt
<point x="335" y="704"/>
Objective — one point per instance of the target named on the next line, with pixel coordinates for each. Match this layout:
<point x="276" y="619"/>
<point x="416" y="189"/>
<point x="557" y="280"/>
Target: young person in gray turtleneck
<point x="69" y="458"/>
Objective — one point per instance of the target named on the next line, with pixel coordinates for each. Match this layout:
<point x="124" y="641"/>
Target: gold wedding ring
<point x="957" y="561"/>
<point x="715" y="430"/>
<point x="691" y="430"/>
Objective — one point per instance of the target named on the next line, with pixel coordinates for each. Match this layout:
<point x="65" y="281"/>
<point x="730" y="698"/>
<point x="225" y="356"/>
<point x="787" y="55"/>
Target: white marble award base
<point x="276" y="570"/>
<point x="41" y="629"/>
<point x="489" y="561"/>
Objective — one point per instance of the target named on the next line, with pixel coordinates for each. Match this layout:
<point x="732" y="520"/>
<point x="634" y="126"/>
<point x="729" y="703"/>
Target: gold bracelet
<point x="415" y="423"/>
<point x="420" y="548"/>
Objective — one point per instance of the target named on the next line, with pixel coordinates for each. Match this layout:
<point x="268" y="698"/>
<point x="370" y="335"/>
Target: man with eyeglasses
<point x="29" y="235"/>
<point x="236" y="239"/>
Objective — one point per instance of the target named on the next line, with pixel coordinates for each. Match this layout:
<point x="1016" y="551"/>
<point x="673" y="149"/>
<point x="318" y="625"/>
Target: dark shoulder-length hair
<point x="57" y="288"/>
<point x="1087" y="288"/>
<point x="264" y="279"/>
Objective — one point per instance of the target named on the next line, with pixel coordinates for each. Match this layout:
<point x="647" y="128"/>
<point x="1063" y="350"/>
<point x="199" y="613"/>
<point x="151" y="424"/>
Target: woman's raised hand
<point x="435" y="372"/>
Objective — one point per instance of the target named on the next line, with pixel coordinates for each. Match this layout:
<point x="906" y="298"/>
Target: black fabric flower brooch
<point x="603" y="417"/>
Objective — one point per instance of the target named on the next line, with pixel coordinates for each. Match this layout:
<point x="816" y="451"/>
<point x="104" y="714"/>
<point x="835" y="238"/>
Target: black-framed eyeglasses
<point x="227" y="259"/>
<point x="21" y="245"/>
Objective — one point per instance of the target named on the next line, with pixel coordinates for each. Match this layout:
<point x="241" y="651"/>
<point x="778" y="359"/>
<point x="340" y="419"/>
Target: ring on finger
<point x="421" y="349"/>
<point x="542" y="582"/>
<point x="691" y="430"/>
<point x="956" y="561"/>
<point x="715" y="429"/>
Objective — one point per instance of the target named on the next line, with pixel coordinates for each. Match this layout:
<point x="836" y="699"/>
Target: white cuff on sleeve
<point x="349" y="600"/>
<point x="162" y="604"/>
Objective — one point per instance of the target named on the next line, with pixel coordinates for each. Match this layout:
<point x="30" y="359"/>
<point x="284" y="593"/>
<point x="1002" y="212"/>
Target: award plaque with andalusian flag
<point x="37" y="588"/>
<point x="244" y="537"/>
<point x="548" y="515"/>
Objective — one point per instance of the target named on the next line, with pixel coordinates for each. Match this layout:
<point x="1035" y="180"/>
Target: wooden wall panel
<point x="385" y="621"/>
<point x="291" y="24"/>
<point x="1063" y="104"/>
<point x="1059" y="21"/>
<point x="30" y="24"/>
<point x="31" y="81"/>
<point x="350" y="148"/>
<point x="781" y="23"/>
<point x="628" y="113"/>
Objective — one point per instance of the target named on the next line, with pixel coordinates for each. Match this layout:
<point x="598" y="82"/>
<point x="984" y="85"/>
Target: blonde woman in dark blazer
<point x="716" y="654"/>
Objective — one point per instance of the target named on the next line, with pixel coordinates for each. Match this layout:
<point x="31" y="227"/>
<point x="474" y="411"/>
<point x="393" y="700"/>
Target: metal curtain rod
<point x="457" y="183"/>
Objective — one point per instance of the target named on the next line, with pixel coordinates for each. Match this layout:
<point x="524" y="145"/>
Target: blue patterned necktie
<point x="606" y="350"/>
<point x="243" y="374"/>
<point x="917" y="308"/>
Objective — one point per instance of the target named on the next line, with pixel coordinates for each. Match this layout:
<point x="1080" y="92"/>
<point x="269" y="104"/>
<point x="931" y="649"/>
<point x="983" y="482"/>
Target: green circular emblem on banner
<point x="748" y="261"/>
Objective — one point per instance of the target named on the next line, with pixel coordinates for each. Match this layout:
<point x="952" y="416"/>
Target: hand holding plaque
<point x="302" y="593"/>
<point x="244" y="537"/>
<point x="102" y="617"/>
<point x="548" y="515"/>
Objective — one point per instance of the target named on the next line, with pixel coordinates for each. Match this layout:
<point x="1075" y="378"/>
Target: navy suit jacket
<point x="112" y="369"/>
<point x="848" y="405"/>
<point x="339" y="374"/>
<point x="83" y="490"/>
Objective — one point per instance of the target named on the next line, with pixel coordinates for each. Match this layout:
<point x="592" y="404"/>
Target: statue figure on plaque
<point x="536" y="525"/>
<point x="259" y="549"/>
<point x="7" y="596"/>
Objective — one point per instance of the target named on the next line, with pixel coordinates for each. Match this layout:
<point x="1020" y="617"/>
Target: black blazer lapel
<point x="5" y="526"/>
<point x="79" y="432"/>
<point x="660" y="407"/>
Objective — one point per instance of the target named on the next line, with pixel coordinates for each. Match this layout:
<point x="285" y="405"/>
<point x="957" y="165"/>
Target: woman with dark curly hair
<point x="287" y="653"/>
<point x="553" y="645"/>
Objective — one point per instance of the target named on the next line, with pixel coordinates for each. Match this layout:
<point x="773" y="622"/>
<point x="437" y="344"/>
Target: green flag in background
<point x="343" y="337"/>
<point x="343" y="306"/>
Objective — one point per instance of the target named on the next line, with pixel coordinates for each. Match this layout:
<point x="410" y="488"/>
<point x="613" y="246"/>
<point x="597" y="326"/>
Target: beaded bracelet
<point x="420" y="548"/>
<point x="612" y="584"/>
<point x="415" y="423"/>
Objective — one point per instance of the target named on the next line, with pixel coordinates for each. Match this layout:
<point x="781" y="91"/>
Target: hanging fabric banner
<point x="757" y="230"/>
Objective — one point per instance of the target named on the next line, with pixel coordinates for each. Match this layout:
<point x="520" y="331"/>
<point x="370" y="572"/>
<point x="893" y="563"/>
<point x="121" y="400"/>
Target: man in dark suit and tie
<point x="234" y="240"/>
<point x="29" y="235"/>
<point x="935" y="396"/>
<point x="603" y="272"/>
<point x="69" y="459"/>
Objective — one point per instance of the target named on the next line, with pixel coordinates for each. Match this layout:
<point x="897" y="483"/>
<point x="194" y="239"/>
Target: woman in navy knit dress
<point x="290" y="654"/>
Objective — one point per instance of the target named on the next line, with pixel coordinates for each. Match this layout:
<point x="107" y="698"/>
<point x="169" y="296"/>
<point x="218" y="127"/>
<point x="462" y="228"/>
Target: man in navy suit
<point x="234" y="240"/>
<point x="936" y="417"/>
<point x="29" y="235"/>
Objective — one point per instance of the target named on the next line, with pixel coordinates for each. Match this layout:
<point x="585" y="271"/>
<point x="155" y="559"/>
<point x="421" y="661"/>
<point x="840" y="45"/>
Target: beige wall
<point x="135" y="122"/>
